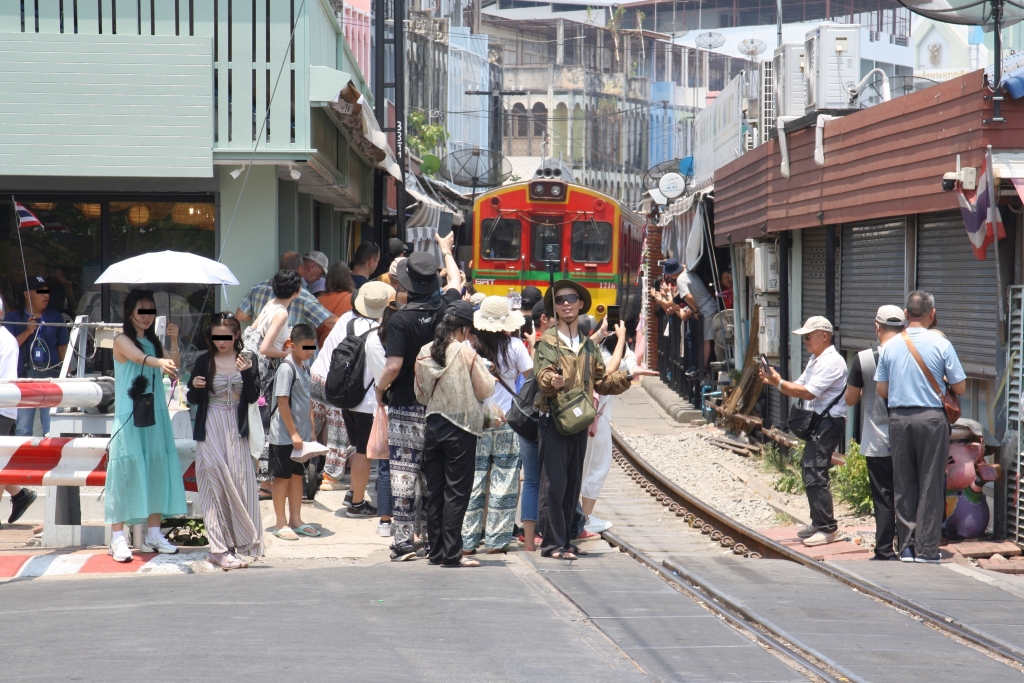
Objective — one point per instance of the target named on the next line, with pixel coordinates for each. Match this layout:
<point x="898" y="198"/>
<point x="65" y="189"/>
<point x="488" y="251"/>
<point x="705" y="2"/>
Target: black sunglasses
<point x="567" y="298"/>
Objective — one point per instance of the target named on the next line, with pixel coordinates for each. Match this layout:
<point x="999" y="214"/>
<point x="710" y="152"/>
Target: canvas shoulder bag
<point x="573" y="411"/>
<point x="950" y="401"/>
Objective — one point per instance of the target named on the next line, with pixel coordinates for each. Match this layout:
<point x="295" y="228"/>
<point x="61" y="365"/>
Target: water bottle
<point x="167" y="390"/>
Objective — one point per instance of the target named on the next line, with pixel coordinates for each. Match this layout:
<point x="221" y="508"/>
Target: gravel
<point x="694" y="464"/>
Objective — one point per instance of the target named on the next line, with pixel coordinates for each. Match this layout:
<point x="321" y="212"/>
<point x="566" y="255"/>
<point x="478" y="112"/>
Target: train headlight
<point x="548" y="190"/>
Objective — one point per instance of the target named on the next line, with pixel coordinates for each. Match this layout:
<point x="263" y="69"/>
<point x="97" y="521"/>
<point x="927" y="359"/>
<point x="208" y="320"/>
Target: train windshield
<point x="591" y="241"/>
<point x="501" y="239"/>
<point x="545" y="233"/>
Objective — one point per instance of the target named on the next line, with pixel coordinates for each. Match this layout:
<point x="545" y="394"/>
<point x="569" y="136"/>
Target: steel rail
<point x="724" y="610"/>
<point x="745" y="541"/>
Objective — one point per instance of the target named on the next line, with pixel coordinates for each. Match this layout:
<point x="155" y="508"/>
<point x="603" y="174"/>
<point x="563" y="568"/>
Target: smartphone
<point x="764" y="362"/>
<point x="613" y="317"/>
<point x="445" y="227"/>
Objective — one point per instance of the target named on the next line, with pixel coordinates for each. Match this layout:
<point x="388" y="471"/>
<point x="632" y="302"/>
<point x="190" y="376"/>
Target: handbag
<point x="573" y="411"/>
<point x="803" y="422"/>
<point x="950" y="401"/>
<point x="377" y="445"/>
<point x="523" y="416"/>
<point x="256" y="433"/>
<point x="143" y="405"/>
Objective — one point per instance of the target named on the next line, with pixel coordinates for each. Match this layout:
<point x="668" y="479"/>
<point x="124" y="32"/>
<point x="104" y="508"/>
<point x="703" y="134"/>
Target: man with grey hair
<point x="874" y="430"/>
<point x="918" y="428"/>
<point x="821" y="387"/>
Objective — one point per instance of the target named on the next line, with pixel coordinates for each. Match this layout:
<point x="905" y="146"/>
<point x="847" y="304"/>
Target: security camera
<point x="967" y="177"/>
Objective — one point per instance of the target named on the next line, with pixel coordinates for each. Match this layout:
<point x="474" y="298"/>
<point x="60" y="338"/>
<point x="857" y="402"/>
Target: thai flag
<point x="26" y="219"/>
<point x="980" y="210"/>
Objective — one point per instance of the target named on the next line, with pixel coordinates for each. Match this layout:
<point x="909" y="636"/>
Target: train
<point x="549" y="228"/>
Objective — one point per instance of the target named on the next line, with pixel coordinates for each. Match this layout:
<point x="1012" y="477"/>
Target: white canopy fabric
<point x="168" y="267"/>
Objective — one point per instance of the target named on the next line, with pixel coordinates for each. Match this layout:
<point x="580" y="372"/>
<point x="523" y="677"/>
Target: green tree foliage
<point x="424" y="137"/>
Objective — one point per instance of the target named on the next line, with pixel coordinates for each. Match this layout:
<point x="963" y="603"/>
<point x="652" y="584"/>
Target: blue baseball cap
<point x="670" y="266"/>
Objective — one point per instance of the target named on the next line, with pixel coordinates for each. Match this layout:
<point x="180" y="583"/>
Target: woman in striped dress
<point x="222" y="386"/>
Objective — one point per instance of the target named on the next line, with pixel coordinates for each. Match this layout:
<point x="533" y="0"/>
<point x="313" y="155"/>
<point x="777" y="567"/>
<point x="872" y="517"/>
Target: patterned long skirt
<point x="405" y="447"/>
<point x="337" y="436"/>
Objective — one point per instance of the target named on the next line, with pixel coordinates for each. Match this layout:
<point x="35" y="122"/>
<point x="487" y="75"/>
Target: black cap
<point x="419" y="273"/>
<point x="35" y="282"/>
<point x="531" y="295"/>
<point x="670" y="266"/>
<point x="397" y="247"/>
<point x="460" y="310"/>
<point x="538" y="309"/>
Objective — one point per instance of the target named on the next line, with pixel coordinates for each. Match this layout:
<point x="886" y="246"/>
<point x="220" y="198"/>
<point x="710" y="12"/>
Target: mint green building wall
<point x="250" y="248"/>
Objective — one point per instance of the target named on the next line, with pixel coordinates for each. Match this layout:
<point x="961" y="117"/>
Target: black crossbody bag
<point x="803" y="422"/>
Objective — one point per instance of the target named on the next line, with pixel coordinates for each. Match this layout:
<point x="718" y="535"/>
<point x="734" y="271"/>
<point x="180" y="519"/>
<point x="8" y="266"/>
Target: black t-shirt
<point x="856" y="377"/>
<point x="408" y="330"/>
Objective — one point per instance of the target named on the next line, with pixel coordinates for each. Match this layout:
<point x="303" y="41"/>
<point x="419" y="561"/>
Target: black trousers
<point x="817" y="461"/>
<point x="880" y="477"/>
<point x="561" y="476"/>
<point x="919" y="442"/>
<point x="449" y="462"/>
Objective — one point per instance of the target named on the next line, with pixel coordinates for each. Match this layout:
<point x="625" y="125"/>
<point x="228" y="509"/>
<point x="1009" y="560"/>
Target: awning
<point x="350" y="110"/>
<point x="421" y="227"/>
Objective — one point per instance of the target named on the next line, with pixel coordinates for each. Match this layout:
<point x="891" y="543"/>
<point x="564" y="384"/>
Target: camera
<point x="967" y="177"/>
<point x="949" y="181"/>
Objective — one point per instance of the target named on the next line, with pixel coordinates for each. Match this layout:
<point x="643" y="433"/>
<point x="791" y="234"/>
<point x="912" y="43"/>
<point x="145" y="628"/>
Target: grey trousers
<point x="919" y="442"/>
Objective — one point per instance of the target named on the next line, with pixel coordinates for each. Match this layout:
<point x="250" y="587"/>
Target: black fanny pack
<point x="803" y="422"/>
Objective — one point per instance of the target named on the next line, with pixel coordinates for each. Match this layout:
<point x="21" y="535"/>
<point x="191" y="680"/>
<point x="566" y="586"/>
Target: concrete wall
<point x="249" y="244"/>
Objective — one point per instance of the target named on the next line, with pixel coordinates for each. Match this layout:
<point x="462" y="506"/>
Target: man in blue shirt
<point x="918" y="428"/>
<point x="41" y="347"/>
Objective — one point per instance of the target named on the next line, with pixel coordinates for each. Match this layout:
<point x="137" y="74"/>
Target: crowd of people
<point x="905" y="427"/>
<point x="431" y="370"/>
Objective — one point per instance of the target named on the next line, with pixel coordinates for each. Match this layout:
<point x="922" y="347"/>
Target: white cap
<point x="815" y="323"/>
<point x="890" y="315"/>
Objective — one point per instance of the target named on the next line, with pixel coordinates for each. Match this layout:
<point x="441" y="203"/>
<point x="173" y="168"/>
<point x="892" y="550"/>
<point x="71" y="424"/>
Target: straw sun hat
<point x="495" y="316"/>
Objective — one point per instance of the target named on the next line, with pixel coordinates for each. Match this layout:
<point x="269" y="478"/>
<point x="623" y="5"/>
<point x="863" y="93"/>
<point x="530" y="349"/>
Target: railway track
<point x="743" y="541"/>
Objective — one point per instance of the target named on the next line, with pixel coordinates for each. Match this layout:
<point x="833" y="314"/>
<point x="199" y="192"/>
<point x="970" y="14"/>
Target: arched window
<point x="540" y="120"/>
<point x="519" y="121"/>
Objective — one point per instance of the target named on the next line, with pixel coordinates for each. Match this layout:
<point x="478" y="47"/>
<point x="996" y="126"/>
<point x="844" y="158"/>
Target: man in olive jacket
<point x="561" y="363"/>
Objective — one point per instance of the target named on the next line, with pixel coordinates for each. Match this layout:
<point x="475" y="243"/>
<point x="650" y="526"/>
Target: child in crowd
<point x="291" y="424"/>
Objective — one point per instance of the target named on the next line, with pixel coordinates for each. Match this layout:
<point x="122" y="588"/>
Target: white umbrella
<point x="168" y="267"/>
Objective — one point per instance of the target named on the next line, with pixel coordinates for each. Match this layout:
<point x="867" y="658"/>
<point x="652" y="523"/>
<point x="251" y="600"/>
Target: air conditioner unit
<point x="766" y="267"/>
<point x="790" y="87"/>
<point x="832" y="66"/>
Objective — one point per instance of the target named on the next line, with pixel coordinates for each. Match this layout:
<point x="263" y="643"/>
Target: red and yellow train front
<point x="519" y="229"/>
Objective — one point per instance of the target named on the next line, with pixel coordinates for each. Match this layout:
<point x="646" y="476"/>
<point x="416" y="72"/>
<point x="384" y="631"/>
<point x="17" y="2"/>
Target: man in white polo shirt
<point x="821" y="386"/>
<point x="918" y="428"/>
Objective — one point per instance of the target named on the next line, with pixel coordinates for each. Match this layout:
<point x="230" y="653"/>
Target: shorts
<point x="281" y="465"/>
<point x="359" y="426"/>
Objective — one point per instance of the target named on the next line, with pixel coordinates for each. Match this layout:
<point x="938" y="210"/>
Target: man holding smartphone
<point x="821" y="386"/>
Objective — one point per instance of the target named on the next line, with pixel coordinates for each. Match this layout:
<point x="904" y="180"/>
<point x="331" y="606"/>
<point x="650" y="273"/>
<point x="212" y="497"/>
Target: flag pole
<point x="993" y="220"/>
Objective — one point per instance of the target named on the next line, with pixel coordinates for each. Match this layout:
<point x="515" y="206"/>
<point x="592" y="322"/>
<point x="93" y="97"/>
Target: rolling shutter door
<point x="964" y="289"/>
<point x="812" y="300"/>
<point x="873" y="264"/>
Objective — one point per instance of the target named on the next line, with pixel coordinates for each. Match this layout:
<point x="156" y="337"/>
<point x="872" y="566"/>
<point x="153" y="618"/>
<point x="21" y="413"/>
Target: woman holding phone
<point x="222" y="387"/>
<point x="143" y="471"/>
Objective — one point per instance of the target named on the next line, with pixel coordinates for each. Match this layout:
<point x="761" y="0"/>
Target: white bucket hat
<point x="495" y="316"/>
<point x="373" y="298"/>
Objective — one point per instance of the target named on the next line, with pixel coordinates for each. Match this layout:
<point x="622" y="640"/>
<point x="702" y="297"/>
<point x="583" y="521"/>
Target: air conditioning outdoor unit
<point x="832" y="66"/>
<point x="790" y="86"/>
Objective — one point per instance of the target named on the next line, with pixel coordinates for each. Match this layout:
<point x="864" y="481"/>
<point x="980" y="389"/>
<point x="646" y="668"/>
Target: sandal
<point x="266" y="495"/>
<point x="576" y="550"/>
<point x="306" y="530"/>
<point x="464" y="562"/>
<point x="286" y="534"/>
<point x="498" y="551"/>
<point x="563" y="555"/>
<point x="224" y="561"/>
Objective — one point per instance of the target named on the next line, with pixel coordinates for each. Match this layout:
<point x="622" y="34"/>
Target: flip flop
<point x="306" y="530"/>
<point x="286" y="534"/>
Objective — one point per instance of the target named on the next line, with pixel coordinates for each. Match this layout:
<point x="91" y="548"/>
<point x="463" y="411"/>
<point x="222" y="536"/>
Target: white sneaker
<point x="820" y="538"/>
<point x="597" y="525"/>
<point x="385" y="529"/>
<point x="159" y="545"/>
<point x="807" y="531"/>
<point x="119" y="550"/>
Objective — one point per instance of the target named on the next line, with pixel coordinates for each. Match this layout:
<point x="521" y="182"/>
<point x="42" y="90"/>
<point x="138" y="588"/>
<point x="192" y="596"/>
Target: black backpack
<point x="344" y="386"/>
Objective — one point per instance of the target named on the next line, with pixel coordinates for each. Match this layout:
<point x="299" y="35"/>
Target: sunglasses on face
<point x="566" y="298"/>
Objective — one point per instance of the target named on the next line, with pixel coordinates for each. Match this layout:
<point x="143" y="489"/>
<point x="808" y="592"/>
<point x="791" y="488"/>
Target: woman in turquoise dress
<point x="143" y="470"/>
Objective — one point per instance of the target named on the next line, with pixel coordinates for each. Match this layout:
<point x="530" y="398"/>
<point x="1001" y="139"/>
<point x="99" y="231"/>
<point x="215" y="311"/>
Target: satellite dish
<point x="672" y="185"/>
<point x="686" y="166"/>
<point x="658" y="197"/>
<point x="751" y="47"/>
<point x="967" y="12"/>
<point x="674" y="27"/>
<point x="898" y="85"/>
<point x="654" y="174"/>
<point x="475" y="168"/>
<point x="430" y="164"/>
<point x="710" y="40"/>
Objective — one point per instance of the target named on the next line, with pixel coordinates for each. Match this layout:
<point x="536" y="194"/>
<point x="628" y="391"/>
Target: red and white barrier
<point x="81" y="461"/>
<point x="55" y="394"/>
